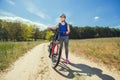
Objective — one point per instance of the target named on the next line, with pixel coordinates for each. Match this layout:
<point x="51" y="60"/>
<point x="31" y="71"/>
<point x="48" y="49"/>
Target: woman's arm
<point x="54" y="27"/>
<point x="68" y="29"/>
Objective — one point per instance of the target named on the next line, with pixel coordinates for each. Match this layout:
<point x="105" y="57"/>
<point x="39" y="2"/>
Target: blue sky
<point x="79" y="12"/>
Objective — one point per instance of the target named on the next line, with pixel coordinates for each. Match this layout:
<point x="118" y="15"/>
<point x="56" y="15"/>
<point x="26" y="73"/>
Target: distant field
<point x="10" y="51"/>
<point x="105" y="50"/>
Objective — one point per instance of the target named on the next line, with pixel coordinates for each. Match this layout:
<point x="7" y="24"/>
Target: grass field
<point x="104" y="50"/>
<point x="10" y="51"/>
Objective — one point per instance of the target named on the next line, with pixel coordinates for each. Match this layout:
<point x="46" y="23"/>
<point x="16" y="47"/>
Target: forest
<point x="17" y="31"/>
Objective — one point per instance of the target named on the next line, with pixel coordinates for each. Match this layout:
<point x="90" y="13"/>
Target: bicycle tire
<point x="50" y="50"/>
<point x="58" y="60"/>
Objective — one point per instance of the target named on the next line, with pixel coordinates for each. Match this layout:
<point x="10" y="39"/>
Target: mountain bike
<point x="55" y="49"/>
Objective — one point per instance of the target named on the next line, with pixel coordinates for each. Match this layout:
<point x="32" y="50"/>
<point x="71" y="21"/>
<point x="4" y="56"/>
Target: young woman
<point x="63" y="26"/>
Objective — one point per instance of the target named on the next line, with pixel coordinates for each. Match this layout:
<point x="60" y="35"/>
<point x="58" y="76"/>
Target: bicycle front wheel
<point x="56" y="54"/>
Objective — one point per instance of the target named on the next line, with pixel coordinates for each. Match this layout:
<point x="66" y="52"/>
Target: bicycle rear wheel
<point x="56" y="54"/>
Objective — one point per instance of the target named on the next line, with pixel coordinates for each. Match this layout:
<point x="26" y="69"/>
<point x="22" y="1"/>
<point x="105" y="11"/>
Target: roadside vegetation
<point x="104" y="50"/>
<point x="11" y="51"/>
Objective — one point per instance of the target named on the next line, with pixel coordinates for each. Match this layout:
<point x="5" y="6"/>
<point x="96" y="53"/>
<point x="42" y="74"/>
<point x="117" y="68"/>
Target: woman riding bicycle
<point x="63" y="37"/>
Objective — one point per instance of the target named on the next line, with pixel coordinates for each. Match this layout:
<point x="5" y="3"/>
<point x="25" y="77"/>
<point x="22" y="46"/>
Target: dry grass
<point x="11" y="51"/>
<point x="105" y="50"/>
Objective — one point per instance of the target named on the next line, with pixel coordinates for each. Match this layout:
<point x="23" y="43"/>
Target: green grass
<point x="11" y="51"/>
<point x="105" y="50"/>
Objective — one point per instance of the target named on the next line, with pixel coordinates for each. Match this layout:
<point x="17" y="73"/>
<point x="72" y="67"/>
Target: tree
<point x="48" y="35"/>
<point x="37" y="34"/>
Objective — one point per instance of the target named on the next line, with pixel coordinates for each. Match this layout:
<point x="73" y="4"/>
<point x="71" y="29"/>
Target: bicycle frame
<point x="53" y="46"/>
<point x="55" y="50"/>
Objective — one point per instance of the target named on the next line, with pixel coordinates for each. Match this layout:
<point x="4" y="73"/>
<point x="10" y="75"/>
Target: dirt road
<point x="35" y="65"/>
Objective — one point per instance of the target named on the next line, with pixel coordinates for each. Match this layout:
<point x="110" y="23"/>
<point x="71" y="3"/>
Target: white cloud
<point x="23" y="20"/>
<point x="118" y="26"/>
<point x="11" y="2"/>
<point x="96" y="17"/>
<point x="71" y="22"/>
<point x="32" y="8"/>
<point x="5" y="13"/>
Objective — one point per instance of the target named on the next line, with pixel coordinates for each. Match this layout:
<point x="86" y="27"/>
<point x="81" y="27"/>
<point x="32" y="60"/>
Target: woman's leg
<point x="61" y="44"/>
<point x="66" y="42"/>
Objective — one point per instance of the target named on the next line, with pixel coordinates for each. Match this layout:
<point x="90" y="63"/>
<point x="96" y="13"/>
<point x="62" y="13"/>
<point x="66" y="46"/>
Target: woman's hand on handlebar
<point x="67" y="32"/>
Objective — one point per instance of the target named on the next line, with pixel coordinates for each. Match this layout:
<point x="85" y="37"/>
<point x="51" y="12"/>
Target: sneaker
<point x="67" y="61"/>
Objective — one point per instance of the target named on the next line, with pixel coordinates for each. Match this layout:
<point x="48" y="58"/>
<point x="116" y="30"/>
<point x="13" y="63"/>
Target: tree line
<point x="89" y="32"/>
<point x="93" y="32"/>
<point x="16" y="31"/>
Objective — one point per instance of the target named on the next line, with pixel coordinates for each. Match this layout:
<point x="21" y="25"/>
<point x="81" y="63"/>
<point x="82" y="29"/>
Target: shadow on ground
<point x="81" y="69"/>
